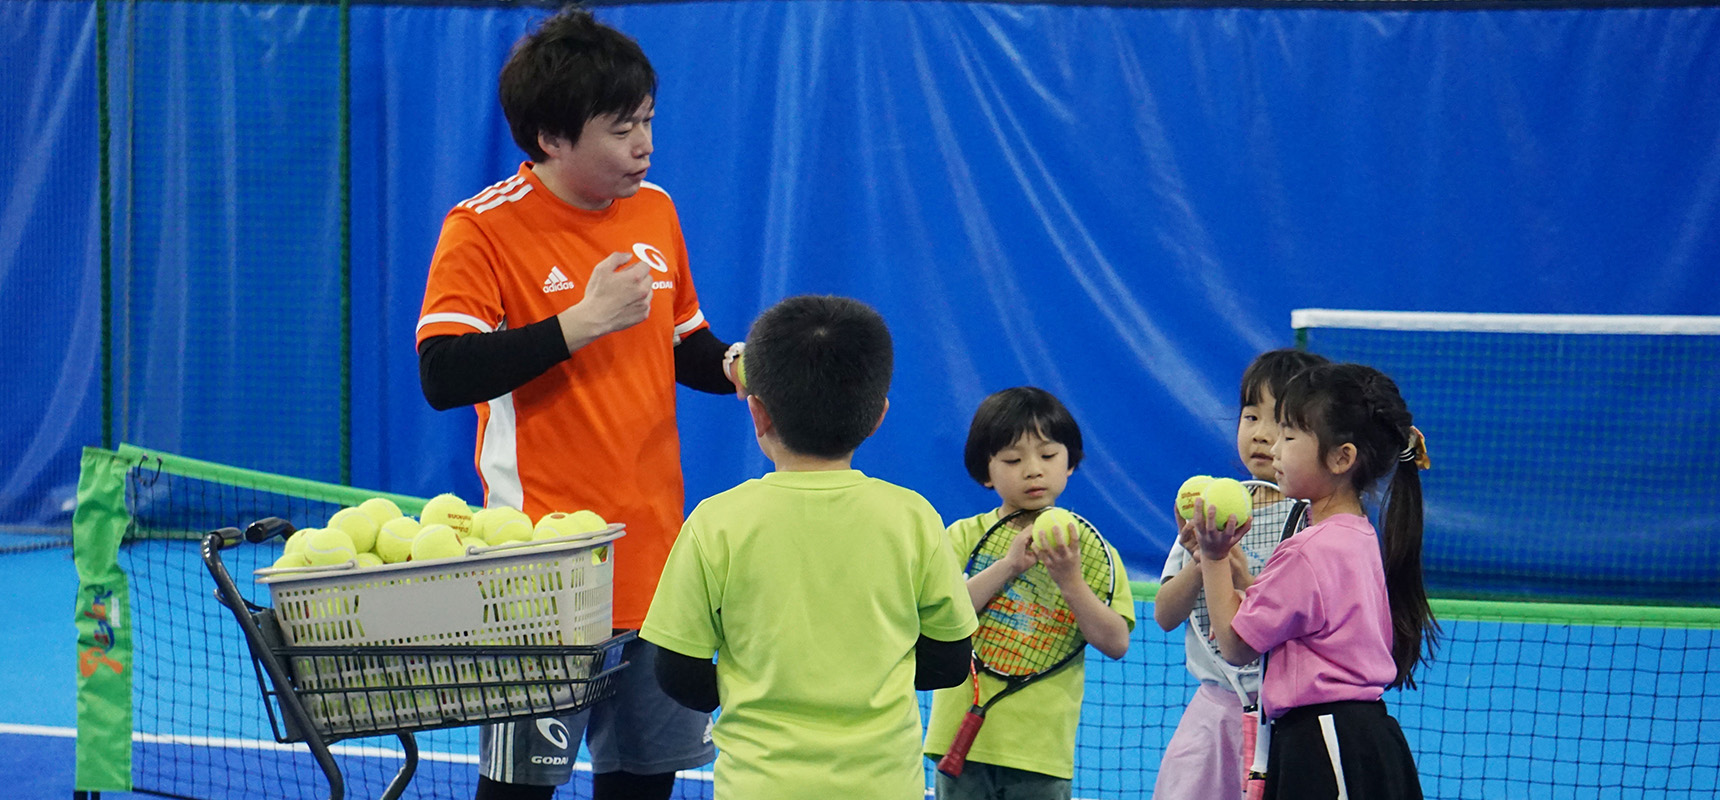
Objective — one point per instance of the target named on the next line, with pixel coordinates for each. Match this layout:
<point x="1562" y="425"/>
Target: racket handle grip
<point x="1253" y="758"/>
<point x="956" y="757"/>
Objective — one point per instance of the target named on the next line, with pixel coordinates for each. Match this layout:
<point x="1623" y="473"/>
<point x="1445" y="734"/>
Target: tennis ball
<point x="357" y="525"/>
<point x="296" y="543"/>
<point x="447" y="509"/>
<point x="368" y="559"/>
<point x="1186" y="494"/>
<point x="506" y="525"/>
<point x="329" y="546"/>
<point x="741" y="368"/>
<point x="1051" y="527"/>
<point x="557" y="524"/>
<point x="291" y="560"/>
<point x="380" y="509"/>
<point x="1230" y="498"/>
<point x="486" y="521"/>
<point x="437" y="541"/>
<point x="394" y="541"/>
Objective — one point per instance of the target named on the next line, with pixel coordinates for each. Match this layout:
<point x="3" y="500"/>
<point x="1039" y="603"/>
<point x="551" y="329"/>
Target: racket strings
<point x="1029" y="627"/>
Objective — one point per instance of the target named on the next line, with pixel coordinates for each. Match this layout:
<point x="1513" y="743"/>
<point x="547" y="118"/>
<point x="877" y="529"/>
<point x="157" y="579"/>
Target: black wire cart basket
<point x="504" y="633"/>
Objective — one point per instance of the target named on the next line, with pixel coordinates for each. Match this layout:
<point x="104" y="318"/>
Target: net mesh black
<point x="1510" y="708"/>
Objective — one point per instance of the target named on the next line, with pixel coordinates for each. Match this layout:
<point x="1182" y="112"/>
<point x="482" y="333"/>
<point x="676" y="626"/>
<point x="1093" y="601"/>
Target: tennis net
<point x="1574" y="456"/>
<point x="1524" y="699"/>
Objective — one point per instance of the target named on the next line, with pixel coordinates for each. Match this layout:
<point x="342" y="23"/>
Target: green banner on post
<point x="103" y="618"/>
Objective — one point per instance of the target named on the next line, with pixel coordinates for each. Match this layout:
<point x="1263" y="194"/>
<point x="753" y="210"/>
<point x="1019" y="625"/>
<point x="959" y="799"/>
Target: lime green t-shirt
<point x="1033" y="729"/>
<point x="811" y="588"/>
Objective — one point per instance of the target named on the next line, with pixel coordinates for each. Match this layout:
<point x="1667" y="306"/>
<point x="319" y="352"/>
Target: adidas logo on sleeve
<point x="556" y="281"/>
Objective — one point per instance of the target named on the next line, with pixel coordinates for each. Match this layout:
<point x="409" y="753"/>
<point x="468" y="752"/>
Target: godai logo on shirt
<point x="558" y="280"/>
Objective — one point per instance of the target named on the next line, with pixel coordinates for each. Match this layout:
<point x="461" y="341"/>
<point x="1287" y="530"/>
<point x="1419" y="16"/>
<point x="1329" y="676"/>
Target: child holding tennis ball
<point x="1341" y="608"/>
<point x="1205" y="758"/>
<point x="1024" y="444"/>
<point x="827" y="597"/>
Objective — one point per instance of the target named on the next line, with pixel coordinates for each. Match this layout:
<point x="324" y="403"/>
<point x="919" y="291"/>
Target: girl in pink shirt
<point x="1340" y="611"/>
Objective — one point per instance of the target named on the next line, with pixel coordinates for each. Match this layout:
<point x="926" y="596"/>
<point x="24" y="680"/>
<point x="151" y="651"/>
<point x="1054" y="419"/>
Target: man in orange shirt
<point x="560" y="304"/>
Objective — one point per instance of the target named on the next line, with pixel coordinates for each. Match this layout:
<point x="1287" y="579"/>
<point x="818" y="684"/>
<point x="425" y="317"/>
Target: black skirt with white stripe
<point x="1350" y="751"/>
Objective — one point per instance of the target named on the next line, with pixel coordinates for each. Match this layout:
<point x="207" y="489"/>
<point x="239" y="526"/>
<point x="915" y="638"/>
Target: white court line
<point x="361" y="751"/>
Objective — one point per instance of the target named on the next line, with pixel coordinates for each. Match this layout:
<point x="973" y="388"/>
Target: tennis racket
<point x="1276" y="518"/>
<point x="1027" y="631"/>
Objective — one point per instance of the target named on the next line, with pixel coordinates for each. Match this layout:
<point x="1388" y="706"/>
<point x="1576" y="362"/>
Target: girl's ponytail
<point x="1413" y="625"/>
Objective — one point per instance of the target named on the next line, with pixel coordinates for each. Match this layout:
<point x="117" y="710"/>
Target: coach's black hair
<point x="1355" y="404"/>
<point x="1271" y="370"/>
<point x="572" y="69"/>
<point x="821" y="367"/>
<point x="1002" y="418"/>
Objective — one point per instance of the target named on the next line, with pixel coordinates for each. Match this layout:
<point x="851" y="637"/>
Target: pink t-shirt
<point x="1319" y="607"/>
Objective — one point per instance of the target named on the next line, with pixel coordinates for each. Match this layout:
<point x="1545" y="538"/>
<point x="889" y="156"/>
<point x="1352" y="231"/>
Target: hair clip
<point x="1416" y="451"/>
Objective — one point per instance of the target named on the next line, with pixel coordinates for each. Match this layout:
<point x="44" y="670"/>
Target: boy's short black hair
<point x="572" y="69"/>
<point x="1002" y="418"/>
<point x="1273" y="369"/>
<point x="821" y="367"/>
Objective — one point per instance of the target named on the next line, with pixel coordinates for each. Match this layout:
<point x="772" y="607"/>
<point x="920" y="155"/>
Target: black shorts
<point x="1352" y="750"/>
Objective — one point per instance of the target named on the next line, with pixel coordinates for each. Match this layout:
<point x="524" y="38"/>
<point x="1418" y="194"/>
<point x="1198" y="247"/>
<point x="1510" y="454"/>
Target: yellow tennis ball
<point x="329" y="546"/>
<point x="507" y="525"/>
<point x="394" y="541"/>
<point x="487" y="521"/>
<point x="1230" y="498"/>
<point x="291" y="560"/>
<point x="447" y="509"/>
<point x="1051" y="527"/>
<point x="296" y="543"/>
<point x="357" y="525"/>
<point x="368" y="559"/>
<point x="1187" y="493"/>
<point x="741" y="368"/>
<point x="557" y="524"/>
<point x="380" y="509"/>
<point x="437" y="541"/>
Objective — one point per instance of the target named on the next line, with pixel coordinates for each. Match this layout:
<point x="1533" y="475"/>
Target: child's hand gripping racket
<point x="1274" y="519"/>
<point x="1027" y="631"/>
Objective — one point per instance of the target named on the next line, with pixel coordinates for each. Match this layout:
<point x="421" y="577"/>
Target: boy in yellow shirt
<point x="1024" y="444"/>
<point x="827" y="597"/>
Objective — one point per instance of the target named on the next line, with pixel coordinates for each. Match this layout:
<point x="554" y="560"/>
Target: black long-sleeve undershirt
<point x="692" y="682"/>
<point x="474" y="368"/>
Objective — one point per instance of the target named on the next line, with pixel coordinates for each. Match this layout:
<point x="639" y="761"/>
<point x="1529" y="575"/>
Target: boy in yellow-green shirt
<point x="1024" y="444"/>
<point x="827" y="597"/>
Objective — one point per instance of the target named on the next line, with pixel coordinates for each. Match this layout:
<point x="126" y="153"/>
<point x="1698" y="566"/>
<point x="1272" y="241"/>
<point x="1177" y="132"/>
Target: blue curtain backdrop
<point x="1121" y="205"/>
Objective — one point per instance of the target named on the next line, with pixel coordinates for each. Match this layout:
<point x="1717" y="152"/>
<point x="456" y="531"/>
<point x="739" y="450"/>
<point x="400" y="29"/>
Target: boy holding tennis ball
<point x="827" y="597"/>
<point x="1024" y="444"/>
<point x="1205" y="758"/>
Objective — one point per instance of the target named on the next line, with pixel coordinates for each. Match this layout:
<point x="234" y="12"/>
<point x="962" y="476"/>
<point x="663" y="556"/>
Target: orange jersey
<point x="598" y="430"/>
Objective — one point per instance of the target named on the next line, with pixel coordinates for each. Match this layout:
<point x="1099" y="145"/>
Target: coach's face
<point x="609" y="160"/>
